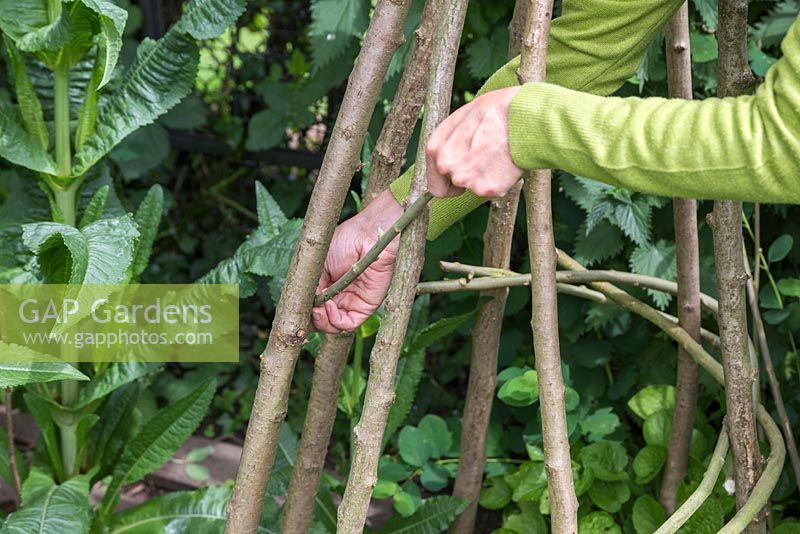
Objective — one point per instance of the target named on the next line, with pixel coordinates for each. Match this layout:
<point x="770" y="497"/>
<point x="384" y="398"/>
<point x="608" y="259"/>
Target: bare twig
<point x="291" y="317"/>
<point x="368" y="433"/>
<point x="330" y="364"/>
<point x="772" y="378"/>
<point x="410" y="214"/>
<point x="679" y="75"/>
<point x="12" y="458"/>
<point x="486" y="333"/>
<point x="313" y="446"/>
<point x="703" y="491"/>
<point x="544" y="318"/>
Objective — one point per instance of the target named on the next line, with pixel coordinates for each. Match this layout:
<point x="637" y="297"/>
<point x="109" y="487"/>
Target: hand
<point x="469" y="149"/>
<point x="352" y="240"/>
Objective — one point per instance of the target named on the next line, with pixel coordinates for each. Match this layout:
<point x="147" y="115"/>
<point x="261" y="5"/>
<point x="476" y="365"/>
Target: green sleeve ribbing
<point x="595" y="45"/>
<point x="742" y="148"/>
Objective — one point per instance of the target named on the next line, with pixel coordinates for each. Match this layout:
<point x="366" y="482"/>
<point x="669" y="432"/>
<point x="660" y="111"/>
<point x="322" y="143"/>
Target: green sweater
<point x="745" y="148"/>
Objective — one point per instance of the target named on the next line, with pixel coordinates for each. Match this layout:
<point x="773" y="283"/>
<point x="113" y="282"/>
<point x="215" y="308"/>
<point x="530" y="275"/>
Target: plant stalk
<point x="679" y="75"/>
<point x="486" y="333"/>
<point x="368" y="434"/>
<point x="289" y="328"/>
<point x="12" y="457"/>
<point x="61" y="102"/>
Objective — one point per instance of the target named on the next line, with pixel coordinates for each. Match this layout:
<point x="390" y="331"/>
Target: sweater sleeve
<point x="595" y="45"/>
<point x="745" y="148"/>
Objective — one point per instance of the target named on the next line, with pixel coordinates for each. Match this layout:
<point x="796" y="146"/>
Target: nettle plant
<point x="62" y="223"/>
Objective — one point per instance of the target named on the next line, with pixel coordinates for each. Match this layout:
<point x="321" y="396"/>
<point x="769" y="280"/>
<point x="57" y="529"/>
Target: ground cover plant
<point x="271" y="82"/>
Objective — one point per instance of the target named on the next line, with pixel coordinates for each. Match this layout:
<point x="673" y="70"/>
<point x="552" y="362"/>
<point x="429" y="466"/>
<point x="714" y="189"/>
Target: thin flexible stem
<point x="679" y="76"/>
<point x="410" y="214"/>
<point x="383" y="37"/>
<point x="772" y="378"/>
<point x="379" y="396"/>
<point x="12" y="457"/>
<point x="703" y="491"/>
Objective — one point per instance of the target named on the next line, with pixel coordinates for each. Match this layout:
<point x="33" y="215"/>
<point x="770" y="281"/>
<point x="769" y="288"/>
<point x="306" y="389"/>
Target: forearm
<point x="742" y="149"/>
<point x="594" y="46"/>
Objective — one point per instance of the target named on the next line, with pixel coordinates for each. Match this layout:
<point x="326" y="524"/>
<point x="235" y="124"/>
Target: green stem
<point x="61" y="100"/>
<point x="69" y="447"/>
<point x="67" y="201"/>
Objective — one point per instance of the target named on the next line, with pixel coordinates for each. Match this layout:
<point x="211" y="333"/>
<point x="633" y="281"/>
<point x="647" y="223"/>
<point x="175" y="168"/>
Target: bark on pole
<point x="368" y="433"/>
<point x="679" y="76"/>
<point x="313" y="447"/>
<point x="544" y="320"/>
<point x="384" y="36"/>
<point x="330" y="363"/>
<point x="486" y="334"/>
<point x="734" y="78"/>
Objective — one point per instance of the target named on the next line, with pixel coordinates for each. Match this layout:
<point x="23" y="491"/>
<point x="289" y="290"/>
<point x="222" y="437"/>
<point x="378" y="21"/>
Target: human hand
<point x="351" y="241"/>
<point x="469" y="149"/>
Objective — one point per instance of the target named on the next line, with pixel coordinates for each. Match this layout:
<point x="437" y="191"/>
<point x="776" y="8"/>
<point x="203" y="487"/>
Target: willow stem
<point x="411" y="213"/>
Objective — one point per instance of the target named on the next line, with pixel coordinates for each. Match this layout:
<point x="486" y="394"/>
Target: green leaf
<point x="656" y="260"/>
<point x="487" y="54"/>
<point x="496" y="494"/>
<point x="648" y="515"/>
<point x="384" y="489"/>
<point x="708" y="519"/>
<point x="189" y="114"/>
<point x="40" y="410"/>
<point x="266" y="129"/>
<point x="147" y="218"/>
<point x="31" y="25"/>
<point x="606" y="459"/>
<point x="27" y="99"/>
<point x="529" y="521"/>
<point x="704" y="47"/>
<point x="158" y="439"/>
<point x="97" y="254"/>
<point x="48" y="507"/>
<point x="520" y="391"/>
<point x="20" y="147"/>
<point x="528" y="483"/>
<point x="599" y="424"/>
<point x="142" y="151"/>
<point x="657" y="427"/>
<point x="407" y="502"/>
<point x="346" y="17"/>
<point x="114" y="377"/>
<point x="197" y="472"/>
<point x="432" y="517"/>
<point x="633" y="218"/>
<point x="270" y="215"/>
<point x="434" y="477"/>
<point x="166" y="68"/>
<point x="112" y="24"/>
<point x="789" y="287"/>
<point x="118" y="422"/>
<point x="652" y="399"/>
<point x="610" y="496"/>
<point x="772" y="28"/>
<point x="759" y="61"/>
<point x="598" y="523"/>
<point x="708" y="12"/>
<point x="780" y="248"/>
<point x="202" y="510"/>
<point x="14" y="374"/>
<point x="602" y="242"/>
<point x="648" y="463"/>
<point x="94" y="210"/>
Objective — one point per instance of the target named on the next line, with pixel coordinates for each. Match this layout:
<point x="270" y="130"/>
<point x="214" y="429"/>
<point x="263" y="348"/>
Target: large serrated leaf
<point x="47" y="507"/>
<point x="30" y="371"/>
<point x="433" y="517"/>
<point x="270" y="215"/>
<point x="100" y="253"/>
<point x="117" y="423"/>
<point x="147" y="217"/>
<point x="158" y="440"/>
<point x="40" y="410"/>
<point x="160" y="76"/>
<point x="28" y="23"/>
<point x="20" y="147"/>
<point x="112" y="24"/>
<point x="113" y="377"/>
